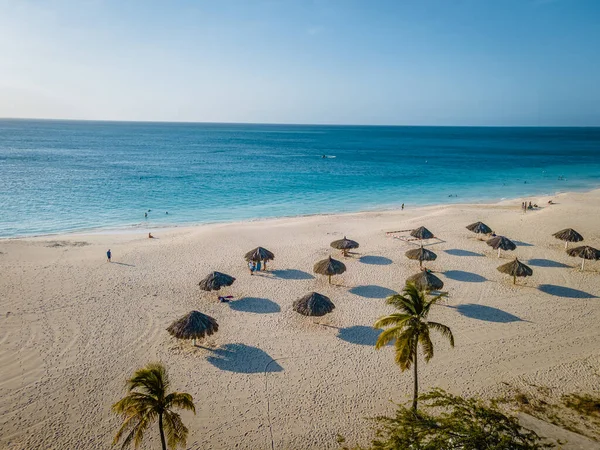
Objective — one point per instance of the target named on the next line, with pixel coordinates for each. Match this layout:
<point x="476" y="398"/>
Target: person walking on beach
<point x="108" y="255"/>
<point x="251" y="266"/>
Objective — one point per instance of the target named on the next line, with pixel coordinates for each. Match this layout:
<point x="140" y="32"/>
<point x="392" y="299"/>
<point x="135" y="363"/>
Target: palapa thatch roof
<point x="426" y="281"/>
<point x="313" y="304"/>
<point x="421" y="254"/>
<point x="585" y="252"/>
<point x="516" y="269"/>
<point x="329" y="266"/>
<point x="259" y="254"/>
<point x="344" y="244"/>
<point x="479" y="228"/>
<point x="422" y="233"/>
<point x="193" y="325"/>
<point x="501" y="242"/>
<point x="568" y="235"/>
<point x="215" y="281"/>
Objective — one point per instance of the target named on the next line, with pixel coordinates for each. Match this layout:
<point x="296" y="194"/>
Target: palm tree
<point x="409" y="328"/>
<point x="148" y="400"/>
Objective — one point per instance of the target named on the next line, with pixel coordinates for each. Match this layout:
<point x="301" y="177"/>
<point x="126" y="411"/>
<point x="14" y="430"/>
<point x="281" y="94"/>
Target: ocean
<point x="63" y="176"/>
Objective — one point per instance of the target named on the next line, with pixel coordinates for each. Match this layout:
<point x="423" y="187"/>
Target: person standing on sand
<point x="251" y="267"/>
<point x="258" y="266"/>
<point x="108" y="255"/>
<point x="402" y="206"/>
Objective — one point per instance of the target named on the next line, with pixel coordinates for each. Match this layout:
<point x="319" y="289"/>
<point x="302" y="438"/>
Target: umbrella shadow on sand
<point x="486" y="313"/>
<point x="359" y="334"/>
<point x="459" y="252"/>
<point x="375" y="260"/>
<point x="241" y="358"/>
<point x="291" y="274"/>
<point x="461" y="275"/>
<point x="545" y="263"/>
<point x="561" y="291"/>
<point x="372" y="291"/>
<point x="255" y="305"/>
<point x="522" y="244"/>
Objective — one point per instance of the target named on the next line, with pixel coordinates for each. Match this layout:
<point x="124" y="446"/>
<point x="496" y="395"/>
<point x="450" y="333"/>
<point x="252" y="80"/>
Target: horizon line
<point x="189" y="122"/>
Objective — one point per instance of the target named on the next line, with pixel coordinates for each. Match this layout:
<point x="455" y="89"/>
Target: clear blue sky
<point x="422" y="62"/>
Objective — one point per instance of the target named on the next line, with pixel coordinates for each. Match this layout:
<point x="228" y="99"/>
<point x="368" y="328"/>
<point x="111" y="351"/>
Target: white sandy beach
<point x="74" y="327"/>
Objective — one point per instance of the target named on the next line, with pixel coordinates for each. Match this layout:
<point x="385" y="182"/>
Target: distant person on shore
<point x="530" y="207"/>
<point x="252" y="267"/>
<point x="402" y="206"/>
<point x="150" y="236"/>
<point x="146" y="215"/>
<point x="108" y="255"/>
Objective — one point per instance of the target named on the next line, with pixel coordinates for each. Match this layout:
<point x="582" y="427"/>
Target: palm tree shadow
<point x="486" y="313"/>
<point x="292" y="274"/>
<point x="241" y="358"/>
<point x="359" y="334"/>
<point x="562" y="291"/>
<point x="372" y="291"/>
<point x="255" y="305"/>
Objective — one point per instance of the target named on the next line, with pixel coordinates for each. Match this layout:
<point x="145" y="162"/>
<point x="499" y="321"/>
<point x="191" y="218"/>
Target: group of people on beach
<point x="254" y="266"/>
<point x="525" y="206"/>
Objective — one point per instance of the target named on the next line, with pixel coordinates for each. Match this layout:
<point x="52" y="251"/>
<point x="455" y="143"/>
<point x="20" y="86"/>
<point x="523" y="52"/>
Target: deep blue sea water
<point x="58" y="176"/>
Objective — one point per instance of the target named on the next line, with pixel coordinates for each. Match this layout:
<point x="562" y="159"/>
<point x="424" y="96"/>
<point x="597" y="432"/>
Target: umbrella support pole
<point x="329" y="276"/>
<point x="566" y="245"/>
<point x="582" y="263"/>
<point x="498" y="253"/>
<point x="514" y="279"/>
<point x="194" y="342"/>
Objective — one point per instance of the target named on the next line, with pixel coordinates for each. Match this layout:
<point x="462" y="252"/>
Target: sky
<point x="398" y="62"/>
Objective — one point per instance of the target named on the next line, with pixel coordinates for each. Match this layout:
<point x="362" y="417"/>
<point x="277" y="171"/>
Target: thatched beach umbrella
<point x="479" y="228"/>
<point x="313" y="304"/>
<point x="421" y="254"/>
<point x="426" y="281"/>
<point x="193" y="325"/>
<point x="501" y="243"/>
<point x="344" y="245"/>
<point x="329" y="267"/>
<point x="584" y="252"/>
<point x="215" y="281"/>
<point x="422" y="233"/>
<point x="517" y="269"/>
<point x="260" y="254"/>
<point x="568" y="235"/>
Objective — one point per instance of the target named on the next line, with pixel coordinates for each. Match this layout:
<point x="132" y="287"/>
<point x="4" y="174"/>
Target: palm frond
<point x="134" y="400"/>
<point x="396" y="319"/>
<point x="405" y="348"/>
<point x="180" y="400"/>
<point x="152" y="379"/>
<point x="175" y="430"/>
<point x="389" y="335"/>
<point x="443" y="329"/>
<point x="426" y="343"/>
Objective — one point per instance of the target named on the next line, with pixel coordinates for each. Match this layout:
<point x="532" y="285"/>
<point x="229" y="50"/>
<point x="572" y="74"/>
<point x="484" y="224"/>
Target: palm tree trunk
<point x="416" y="380"/>
<point x="162" y="432"/>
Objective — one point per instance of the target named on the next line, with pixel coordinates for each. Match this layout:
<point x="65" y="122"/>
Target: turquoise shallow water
<point x="58" y="176"/>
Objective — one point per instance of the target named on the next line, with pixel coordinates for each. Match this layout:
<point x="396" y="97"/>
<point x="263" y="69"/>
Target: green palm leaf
<point x="148" y="401"/>
<point x="409" y="328"/>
